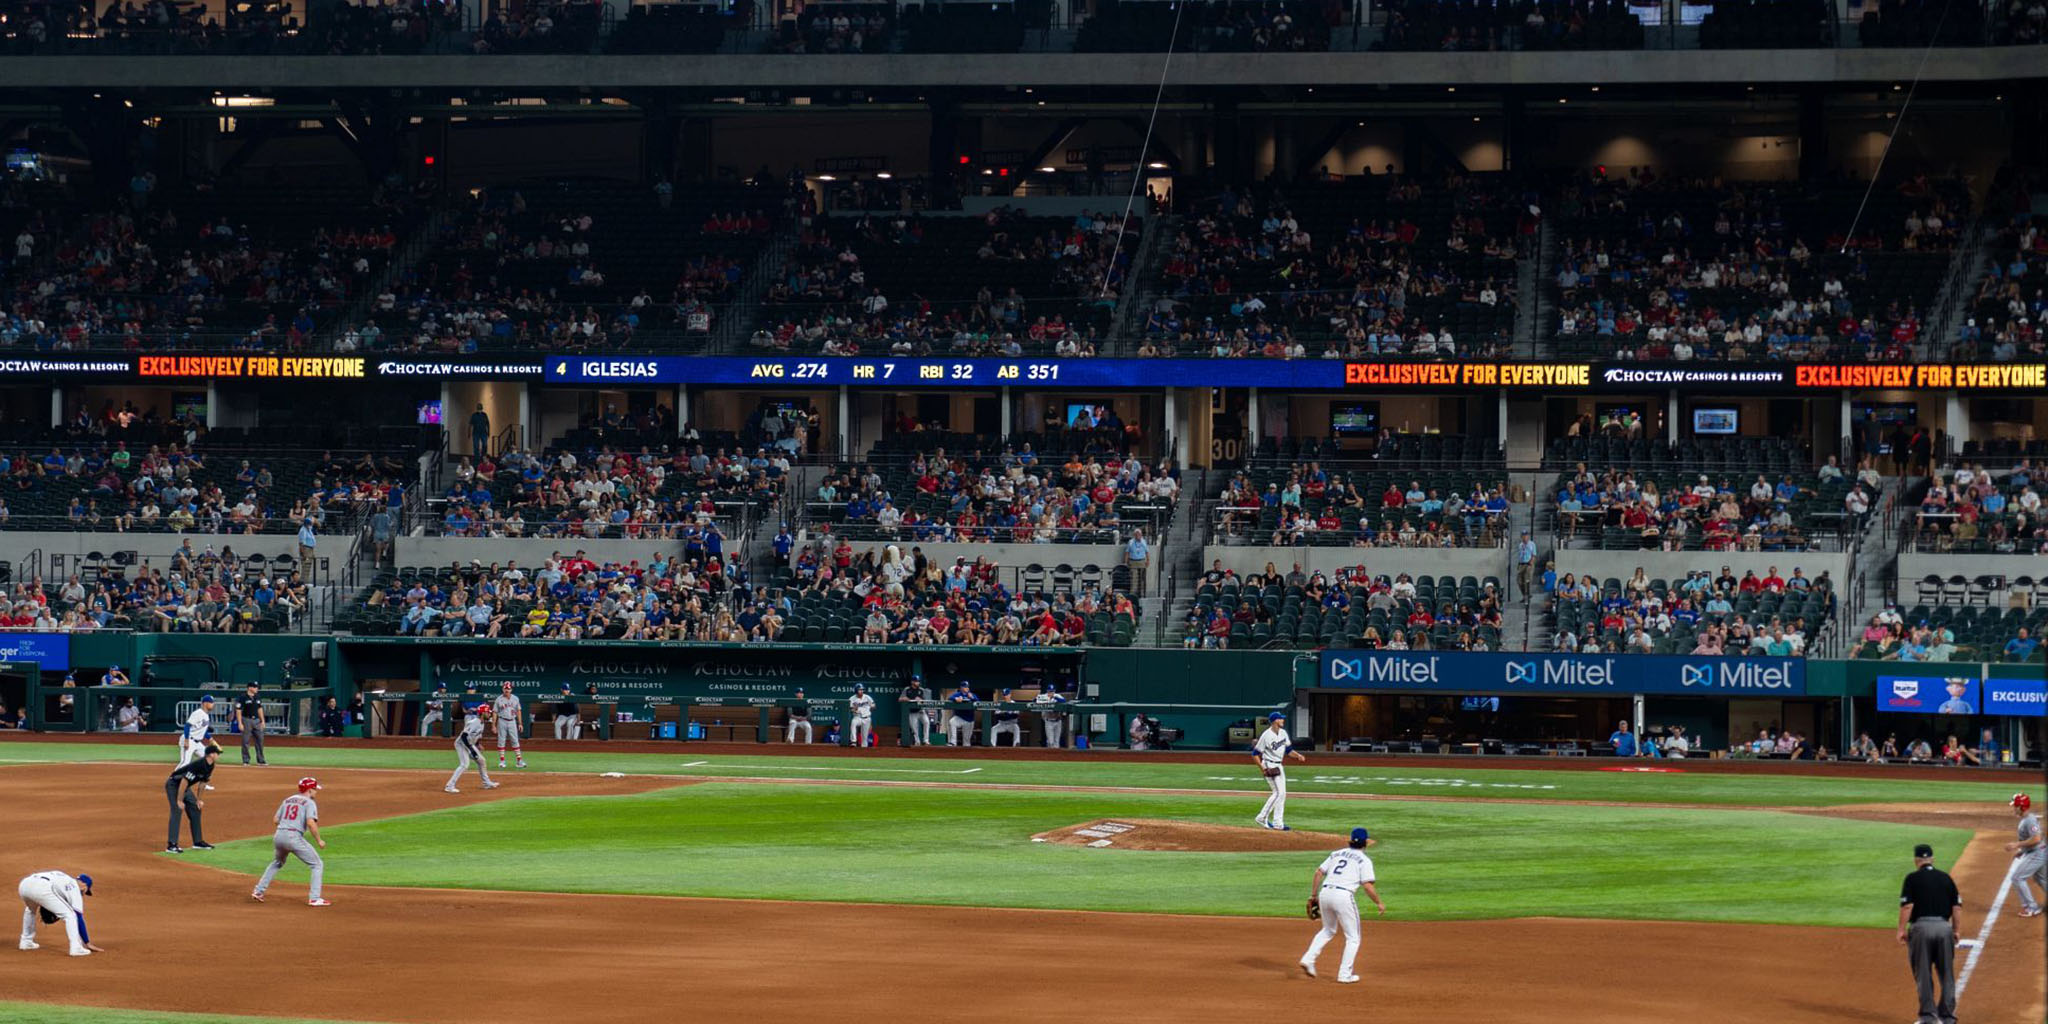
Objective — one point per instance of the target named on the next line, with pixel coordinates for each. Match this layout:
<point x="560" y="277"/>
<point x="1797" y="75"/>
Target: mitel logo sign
<point x="1554" y="673"/>
<point x="1394" y="671"/>
<point x="1736" y="675"/>
<point x="1521" y="672"/>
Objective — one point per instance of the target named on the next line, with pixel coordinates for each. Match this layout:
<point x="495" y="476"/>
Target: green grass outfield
<point x="51" y="1013"/>
<point x="1758" y="789"/>
<point x="1437" y="861"/>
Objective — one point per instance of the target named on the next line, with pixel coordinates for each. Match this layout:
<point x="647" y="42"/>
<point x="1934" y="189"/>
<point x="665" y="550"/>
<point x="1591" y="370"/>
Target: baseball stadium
<point x="1161" y="510"/>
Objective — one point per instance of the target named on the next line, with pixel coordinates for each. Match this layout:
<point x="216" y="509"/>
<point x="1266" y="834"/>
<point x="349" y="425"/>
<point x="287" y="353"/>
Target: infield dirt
<point x="184" y="937"/>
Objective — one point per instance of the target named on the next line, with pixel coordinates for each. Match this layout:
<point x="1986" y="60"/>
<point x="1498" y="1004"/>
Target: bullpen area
<point x="598" y="886"/>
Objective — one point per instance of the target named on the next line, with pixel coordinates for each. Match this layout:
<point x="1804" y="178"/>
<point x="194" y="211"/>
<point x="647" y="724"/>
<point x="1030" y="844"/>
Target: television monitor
<point x="1354" y="419"/>
<point x="1479" y="704"/>
<point x="430" y="412"/>
<point x="1084" y="415"/>
<point x="1716" y="421"/>
<point x="189" y="404"/>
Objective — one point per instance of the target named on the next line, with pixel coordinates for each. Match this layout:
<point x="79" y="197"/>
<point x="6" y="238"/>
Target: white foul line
<point x="693" y="764"/>
<point x="1983" y="936"/>
<point x="835" y="768"/>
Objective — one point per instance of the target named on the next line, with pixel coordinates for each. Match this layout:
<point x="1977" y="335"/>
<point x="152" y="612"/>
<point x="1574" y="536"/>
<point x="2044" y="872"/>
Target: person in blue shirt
<point x="1624" y="740"/>
<point x="2021" y="647"/>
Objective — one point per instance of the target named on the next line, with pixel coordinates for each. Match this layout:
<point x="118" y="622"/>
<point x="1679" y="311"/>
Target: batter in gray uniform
<point x="2029" y="856"/>
<point x="297" y="817"/>
<point x="467" y="750"/>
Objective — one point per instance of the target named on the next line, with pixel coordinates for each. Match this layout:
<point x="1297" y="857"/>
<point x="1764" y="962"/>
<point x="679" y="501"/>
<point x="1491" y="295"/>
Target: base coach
<point x="1930" y="916"/>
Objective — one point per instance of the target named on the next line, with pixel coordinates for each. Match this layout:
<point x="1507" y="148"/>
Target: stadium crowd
<point x="649" y="494"/>
<point x="1015" y="497"/>
<point x="1704" y="614"/>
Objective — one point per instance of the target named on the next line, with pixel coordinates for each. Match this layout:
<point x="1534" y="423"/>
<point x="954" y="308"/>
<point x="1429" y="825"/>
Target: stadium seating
<point x="1680" y="616"/>
<point x="1772" y="504"/>
<point x="1485" y="25"/>
<point x="1351" y="610"/>
<point x="1306" y="504"/>
<point x="1993" y="513"/>
<point x="2011" y="310"/>
<point x="1274" y="26"/>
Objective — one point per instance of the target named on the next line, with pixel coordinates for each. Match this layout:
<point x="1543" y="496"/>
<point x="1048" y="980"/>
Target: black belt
<point x="1943" y="920"/>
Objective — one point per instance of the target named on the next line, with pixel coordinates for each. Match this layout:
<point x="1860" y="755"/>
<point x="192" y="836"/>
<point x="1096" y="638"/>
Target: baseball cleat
<point x="490" y="785"/>
<point x="209" y="787"/>
<point x="1351" y="979"/>
<point x="1308" y="968"/>
<point x="1260" y="822"/>
<point x="316" y="902"/>
<point x="81" y="952"/>
<point x="257" y="896"/>
<point x="2035" y="912"/>
<point x="26" y="946"/>
<point x="202" y="846"/>
<point x="501" y="762"/>
<point x="174" y="849"/>
<point x="450" y="789"/>
<point x="1283" y="828"/>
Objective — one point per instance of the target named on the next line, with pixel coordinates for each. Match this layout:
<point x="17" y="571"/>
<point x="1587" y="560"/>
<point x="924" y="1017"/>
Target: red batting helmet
<point x="308" y="784"/>
<point x="2022" y="801"/>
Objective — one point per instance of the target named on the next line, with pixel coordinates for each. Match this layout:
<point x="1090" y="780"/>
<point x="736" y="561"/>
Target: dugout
<point x="1433" y="723"/>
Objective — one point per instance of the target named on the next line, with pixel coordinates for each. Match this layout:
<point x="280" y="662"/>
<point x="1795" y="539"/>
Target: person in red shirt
<point x="842" y="556"/>
<point x="1329" y="521"/>
<point x="1392" y="498"/>
<point x="1774" y="582"/>
<point x="1750" y="584"/>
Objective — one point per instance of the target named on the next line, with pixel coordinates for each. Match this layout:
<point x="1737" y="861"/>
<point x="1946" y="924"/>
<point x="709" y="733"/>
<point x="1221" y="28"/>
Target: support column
<point x="1171" y="414"/>
<point x="1514" y="132"/>
<point x="57" y="407"/>
<point x="1006" y="401"/>
<point x="682" y="408"/>
<point x="1958" y="422"/>
<point x="1813" y="134"/>
<point x="1671" y="417"/>
<point x="1503" y="421"/>
<point x="524" y="439"/>
<point x="1251" y="422"/>
<point x="213" y="405"/>
<point x="845" y="420"/>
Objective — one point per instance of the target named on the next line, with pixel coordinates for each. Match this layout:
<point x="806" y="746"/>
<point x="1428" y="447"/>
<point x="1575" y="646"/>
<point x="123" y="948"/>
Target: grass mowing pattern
<point x="1448" y="783"/>
<point x="52" y="1013"/>
<point x="1438" y="861"/>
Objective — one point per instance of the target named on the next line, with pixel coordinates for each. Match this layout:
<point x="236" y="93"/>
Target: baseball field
<point x="709" y="881"/>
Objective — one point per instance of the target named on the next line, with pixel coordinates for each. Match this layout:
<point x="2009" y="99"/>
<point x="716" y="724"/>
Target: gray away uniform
<point x="2030" y="865"/>
<point x="290" y="841"/>
<point x="467" y="750"/>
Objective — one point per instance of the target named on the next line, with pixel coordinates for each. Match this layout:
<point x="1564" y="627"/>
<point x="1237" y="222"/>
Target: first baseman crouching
<point x="297" y="817"/>
<point x="1333" y="897"/>
<point x="56" y="896"/>
<point x="466" y="749"/>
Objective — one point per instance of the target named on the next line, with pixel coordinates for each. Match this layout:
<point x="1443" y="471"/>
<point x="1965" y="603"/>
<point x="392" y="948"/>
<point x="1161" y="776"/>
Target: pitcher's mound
<point x="1186" y="836"/>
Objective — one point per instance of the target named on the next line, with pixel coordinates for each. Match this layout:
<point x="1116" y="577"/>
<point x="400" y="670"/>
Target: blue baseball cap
<point x="86" y="882"/>
<point x="1275" y="717"/>
<point x="206" y="699"/>
<point x="1359" y="835"/>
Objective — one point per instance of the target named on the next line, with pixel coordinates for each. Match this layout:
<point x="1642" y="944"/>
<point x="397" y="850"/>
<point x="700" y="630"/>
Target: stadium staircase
<point x="402" y="262"/>
<point x="729" y="336"/>
<point x="1126" y="332"/>
<point x="1538" y="305"/>
<point x="1957" y="299"/>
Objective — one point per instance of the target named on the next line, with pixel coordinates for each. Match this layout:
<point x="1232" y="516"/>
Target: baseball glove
<point x="1315" y="909"/>
<point x="48" y="918"/>
<point x="1271" y="772"/>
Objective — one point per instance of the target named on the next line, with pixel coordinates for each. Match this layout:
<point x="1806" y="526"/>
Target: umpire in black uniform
<point x="183" y="788"/>
<point x="249" y="719"/>
<point x="1930" y="917"/>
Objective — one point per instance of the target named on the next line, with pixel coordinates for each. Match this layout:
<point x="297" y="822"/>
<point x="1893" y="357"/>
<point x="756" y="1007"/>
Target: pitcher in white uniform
<point x="1333" y="895"/>
<point x="198" y="727"/>
<point x="1270" y="752"/>
<point x="863" y="707"/>
<point x="297" y="817"/>
<point x="56" y="897"/>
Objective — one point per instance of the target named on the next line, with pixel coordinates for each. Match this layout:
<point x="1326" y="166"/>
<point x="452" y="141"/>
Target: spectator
<point x="330" y="718"/>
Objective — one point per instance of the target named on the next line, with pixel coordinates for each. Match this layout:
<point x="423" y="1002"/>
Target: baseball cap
<point x="1275" y="717"/>
<point x="1923" y="850"/>
<point x="85" y="881"/>
<point x="1359" y="835"/>
<point x="206" y="699"/>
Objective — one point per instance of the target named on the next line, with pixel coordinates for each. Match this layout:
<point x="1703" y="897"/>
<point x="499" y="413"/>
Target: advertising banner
<point x="1463" y="672"/>
<point x="2027" y="697"/>
<point x="50" y="650"/>
<point x="1928" y="695"/>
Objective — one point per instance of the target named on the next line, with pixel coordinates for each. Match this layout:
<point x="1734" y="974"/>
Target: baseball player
<point x="1052" y="711"/>
<point x="297" y="817"/>
<point x="1006" y="722"/>
<point x="198" y="728"/>
<point x="1333" y="899"/>
<point x="1270" y="753"/>
<point x="917" y="722"/>
<point x="960" y="723"/>
<point x="799" y="718"/>
<point x="863" y="707"/>
<point x="178" y="789"/>
<point x="568" y="715"/>
<point x="2029" y="856"/>
<point x="434" y="708"/>
<point x="466" y="749"/>
<point x="507" y="709"/>
<point x="56" y="896"/>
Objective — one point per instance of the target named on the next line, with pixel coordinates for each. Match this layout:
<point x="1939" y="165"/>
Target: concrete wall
<point x="156" y="548"/>
<point x="1675" y="564"/>
<point x="1479" y="562"/>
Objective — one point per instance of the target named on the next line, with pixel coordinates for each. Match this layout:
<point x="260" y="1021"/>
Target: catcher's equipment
<point x="1315" y="909"/>
<point x="1272" y="772"/>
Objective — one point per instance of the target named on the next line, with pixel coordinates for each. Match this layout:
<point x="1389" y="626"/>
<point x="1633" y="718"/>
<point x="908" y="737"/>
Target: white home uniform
<point x="863" y="707"/>
<point x="467" y="751"/>
<point x="293" y="815"/>
<point x="1053" y="713"/>
<point x="192" y="735"/>
<point x="1343" y="873"/>
<point x="2030" y="865"/>
<point x="59" y="894"/>
<point x="1273" y="746"/>
<point x="506" y="708"/>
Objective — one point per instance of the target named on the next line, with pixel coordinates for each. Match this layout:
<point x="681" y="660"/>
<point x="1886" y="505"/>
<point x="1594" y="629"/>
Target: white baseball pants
<point x="863" y="730"/>
<point x="919" y="724"/>
<point x="565" y="726"/>
<point x="468" y="754"/>
<point x="38" y="892"/>
<point x="508" y="731"/>
<point x="789" y="735"/>
<point x="1275" y="810"/>
<point x="427" y="722"/>
<point x="959" y="732"/>
<point x="1340" y="910"/>
<point x="1055" y="731"/>
<point x="283" y="847"/>
<point x="1001" y="729"/>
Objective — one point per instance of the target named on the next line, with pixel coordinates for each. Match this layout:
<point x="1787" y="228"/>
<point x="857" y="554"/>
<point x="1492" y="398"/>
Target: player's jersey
<point x="66" y="888"/>
<point x="507" y="708"/>
<point x="2029" y="827"/>
<point x="863" y="705"/>
<point x="1050" y="708"/>
<point x="197" y="725"/>
<point x="436" y="703"/>
<point x="296" y="812"/>
<point x="1272" y="747"/>
<point x="473" y="727"/>
<point x="1347" y="869"/>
